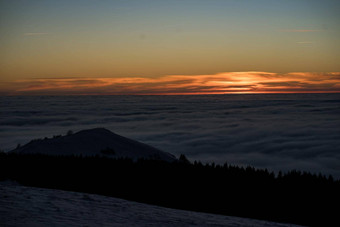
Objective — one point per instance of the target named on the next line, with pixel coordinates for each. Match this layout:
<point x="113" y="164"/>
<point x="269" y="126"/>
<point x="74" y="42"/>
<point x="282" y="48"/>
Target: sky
<point x="169" y="47"/>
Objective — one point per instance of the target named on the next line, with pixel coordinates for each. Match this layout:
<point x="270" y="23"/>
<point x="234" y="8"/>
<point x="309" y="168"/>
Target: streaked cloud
<point x="305" y="42"/>
<point x="228" y="82"/>
<point x="301" y="30"/>
<point x="35" y="33"/>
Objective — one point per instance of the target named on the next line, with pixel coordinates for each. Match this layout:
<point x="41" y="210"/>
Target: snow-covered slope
<point x="26" y="206"/>
<point x="98" y="141"/>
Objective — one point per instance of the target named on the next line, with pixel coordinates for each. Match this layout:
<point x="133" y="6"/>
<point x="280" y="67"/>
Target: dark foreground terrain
<point x="293" y="197"/>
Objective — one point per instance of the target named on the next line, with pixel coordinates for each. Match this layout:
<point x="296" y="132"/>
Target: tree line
<point x="291" y="197"/>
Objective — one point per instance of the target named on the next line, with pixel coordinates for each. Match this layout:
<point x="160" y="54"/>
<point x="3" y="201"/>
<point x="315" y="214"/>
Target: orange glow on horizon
<point x="221" y="83"/>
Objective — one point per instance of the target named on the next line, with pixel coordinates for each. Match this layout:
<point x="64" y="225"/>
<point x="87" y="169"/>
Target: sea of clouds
<point x="278" y="132"/>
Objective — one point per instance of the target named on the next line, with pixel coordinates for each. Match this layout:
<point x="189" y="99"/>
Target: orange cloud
<point x="229" y="82"/>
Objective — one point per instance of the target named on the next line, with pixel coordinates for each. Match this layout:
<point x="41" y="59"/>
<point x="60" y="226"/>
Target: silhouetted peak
<point x="92" y="142"/>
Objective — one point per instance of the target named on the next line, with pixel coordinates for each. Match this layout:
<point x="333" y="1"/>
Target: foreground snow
<point x="26" y="206"/>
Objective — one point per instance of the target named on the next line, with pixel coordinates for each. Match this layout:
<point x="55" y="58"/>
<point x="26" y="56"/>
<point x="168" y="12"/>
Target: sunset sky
<point x="169" y="47"/>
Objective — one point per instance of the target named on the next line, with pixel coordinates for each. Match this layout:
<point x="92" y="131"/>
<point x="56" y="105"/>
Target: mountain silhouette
<point x="93" y="142"/>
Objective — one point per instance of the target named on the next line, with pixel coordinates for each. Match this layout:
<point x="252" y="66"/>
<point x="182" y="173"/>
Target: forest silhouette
<point x="291" y="197"/>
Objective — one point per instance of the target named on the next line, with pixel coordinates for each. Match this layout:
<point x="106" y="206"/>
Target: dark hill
<point x="92" y="142"/>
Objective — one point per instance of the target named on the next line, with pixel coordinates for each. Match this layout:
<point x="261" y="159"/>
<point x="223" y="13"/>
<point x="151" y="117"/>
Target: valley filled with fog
<point x="278" y="132"/>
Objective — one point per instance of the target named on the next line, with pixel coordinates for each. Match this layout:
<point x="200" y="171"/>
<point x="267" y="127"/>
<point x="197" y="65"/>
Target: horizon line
<point x="251" y="82"/>
<point x="179" y="94"/>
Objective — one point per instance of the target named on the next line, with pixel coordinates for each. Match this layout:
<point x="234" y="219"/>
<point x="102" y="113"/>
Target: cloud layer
<point x="275" y="131"/>
<point x="231" y="82"/>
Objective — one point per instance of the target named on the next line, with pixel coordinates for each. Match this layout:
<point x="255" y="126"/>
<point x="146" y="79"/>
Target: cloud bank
<point x="275" y="131"/>
<point x="221" y="83"/>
